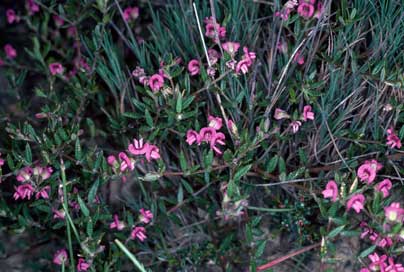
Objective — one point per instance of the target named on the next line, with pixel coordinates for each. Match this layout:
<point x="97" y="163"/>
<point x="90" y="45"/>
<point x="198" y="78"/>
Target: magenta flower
<point x="112" y="161"/>
<point x="392" y="139"/>
<point x="152" y="152"/>
<point x="299" y="58"/>
<point x="145" y="216"/>
<point x="206" y="134"/>
<point x="60" y="257"/>
<point x="213" y="56"/>
<point x="284" y="13"/>
<point x="24" y="174"/>
<point x="32" y="7"/>
<point x="82" y="265"/>
<point x="58" y="20"/>
<point x="215" y="122"/>
<point x="385" y="242"/>
<point x="393" y="267"/>
<point x="139" y="233"/>
<point x="23" y="191"/>
<point x="214" y="30"/>
<point x="126" y="162"/>
<point x="384" y="187"/>
<point x="243" y="66"/>
<point x="364" y="270"/>
<point x="231" y="47"/>
<point x="231" y="64"/>
<point x="232" y="126"/>
<point x="116" y="224"/>
<point x="56" y="68"/>
<point x="356" y="202"/>
<point x="374" y="164"/>
<point x="378" y="263"/>
<point x="43" y="172"/>
<point x="156" y="82"/>
<point x="394" y="212"/>
<point x="306" y="10"/>
<point x="211" y="71"/>
<point x="331" y="191"/>
<point x="193" y="67"/>
<point x="11" y="53"/>
<point x="11" y="16"/>
<point x="138" y="147"/>
<point x="71" y="31"/>
<point x="367" y="173"/>
<point x="1" y="161"/>
<point x="282" y="47"/>
<point x="281" y="114"/>
<point x="307" y="113"/>
<point x="295" y="125"/>
<point x="44" y="193"/>
<point x="58" y="214"/>
<point x="319" y="11"/>
<point x="192" y="137"/>
<point x="218" y="138"/>
<point x="138" y="72"/>
<point x="130" y="13"/>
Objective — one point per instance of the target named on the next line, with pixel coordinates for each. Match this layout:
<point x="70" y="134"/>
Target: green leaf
<point x="242" y="171"/>
<point x="28" y="154"/>
<point x="367" y="251"/>
<point x="183" y="162"/>
<point x="89" y="227"/>
<point x="335" y="231"/>
<point x="178" y="106"/>
<point x="77" y="150"/>
<point x="149" y="119"/>
<point x="273" y="162"/>
<point x="83" y="206"/>
<point x="260" y="248"/>
<point x="93" y="191"/>
<point x="180" y="194"/>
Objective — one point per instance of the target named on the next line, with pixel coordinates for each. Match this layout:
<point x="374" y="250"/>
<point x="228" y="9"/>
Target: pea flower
<point x="367" y="173"/>
<point x="1" y="161"/>
<point x="393" y="267"/>
<point x="193" y="67"/>
<point x="60" y="257"/>
<point x="152" y="152"/>
<point x="139" y="233"/>
<point x="392" y="139"/>
<point x="215" y="122"/>
<point x="156" y="82"/>
<point x="331" y="191"/>
<point x="145" y="216"/>
<point x="212" y="27"/>
<point x="213" y="56"/>
<point x="378" y="263"/>
<point x="32" y="7"/>
<point x="11" y="16"/>
<point x="306" y="10"/>
<point x="299" y="58"/>
<point x="58" y="214"/>
<point x="126" y="162"/>
<point x="394" y="212"/>
<point x="82" y="265"/>
<point x="130" y="13"/>
<point x="356" y="202"/>
<point x="23" y="191"/>
<point x="206" y="134"/>
<point x="192" y="137"/>
<point x="138" y="147"/>
<point x="11" y="53"/>
<point x="58" y="20"/>
<point x="384" y="187"/>
<point x="281" y="114"/>
<point x="218" y="138"/>
<point x="116" y="224"/>
<point x="307" y="113"/>
<point x="24" y="174"/>
<point x="43" y="172"/>
<point x="44" y="193"/>
<point x="319" y="10"/>
<point x="295" y="125"/>
<point x="56" y="68"/>
<point x="231" y="47"/>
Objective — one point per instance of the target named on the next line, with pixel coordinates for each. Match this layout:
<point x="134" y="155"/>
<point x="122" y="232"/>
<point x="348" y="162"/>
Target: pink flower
<point x="116" y="224"/>
<point x="384" y="187"/>
<point x="138" y="147"/>
<point x="378" y="263"/>
<point x="44" y="193"/>
<point x="138" y="72"/>
<point x="213" y="56"/>
<point x="193" y="67"/>
<point x="284" y="13"/>
<point x="1" y="161"/>
<point x="192" y="137"/>
<point x="374" y="164"/>
<point x="214" y="30"/>
<point x="295" y="125"/>
<point x="231" y="47"/>
<point x="319" y="11"/>
<point x="60" y="257"/>
<point x="58" y="214"/>
<point x="71" y="32"/>
<point x="305" y="10"/>
<point x="11" y="53"/>
<point x="299" y="58"/>
<point x="243" y="66"/>
<point x="156" y="81"/>
<point x="207" y="134"/>
<point x="385" y="242"/>
<point x="215" y="122"/>
<point x="331" y="191"/>
<point x="11" y="16"/>
<point x="43" y="172"/>
<point x="211" y="71"/>
<point x="152" y="152"/>
<point x="56" y="68"/>
<point x="392" y="139"/>
<point x="282" y="47"/>
<point x="218" y="138"/>
<point x="139" y="233"/>
<point x="126" y="162"/>
<point x="364" y="270"/>
<point x="367" y="173"/>
<point x="130" y="13"/>
<point x="392" y="267"/>
<point x="82" y="265"/>
<point x="307" y="113"/>
<point x="58" y="20"/>
<point x="394" y="212"/>
<point x="24" y="174"/>
<point x="356" y="202"/>
<point x="231" y="64"/>
<point x="112" y="161"/>
<point x="32" y="7"/>
<point x="23" y="191"/>
<point x="145" y="216"/>
<point x="232" y="126"/>
<point x="281" y="114"/>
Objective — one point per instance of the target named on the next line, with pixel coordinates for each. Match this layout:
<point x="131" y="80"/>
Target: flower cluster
<point x="31" y="179"/>
<point x="305" y="8"/>
<point x="295" y="125"/>
<point x="131" y="14"/>
<point x="382" y="263"/>
<point x="376" y="238"/>
<point x="214" y="30"/>
<point x="155" y="81"/>
<point x="208" y="134"/>
<point x="393" y="140"/>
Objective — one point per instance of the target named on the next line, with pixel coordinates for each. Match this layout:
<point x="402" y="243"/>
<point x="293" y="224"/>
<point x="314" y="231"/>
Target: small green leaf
<point x="28" y="154"/>
<point x="83" y="206"/>
<point x="273" y="162"/>
<point x="93" y="191"/>
<point x="242" y="172"/>
<point x="367" y="251"/>
<point x="149" y="119"/>
<point x="77" y="150"/>
<point x="180" y="194"/>
<point x="335" y="231"/>
<point x="178" y="106"/>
